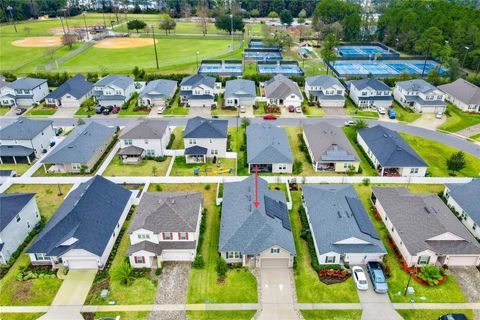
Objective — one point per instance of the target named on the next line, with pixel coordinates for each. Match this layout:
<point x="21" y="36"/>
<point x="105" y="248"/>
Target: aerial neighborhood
<point x="271" y="160"/>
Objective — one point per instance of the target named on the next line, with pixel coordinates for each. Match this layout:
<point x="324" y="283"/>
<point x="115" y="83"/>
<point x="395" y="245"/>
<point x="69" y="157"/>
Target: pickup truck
<point x="378" y="278"/>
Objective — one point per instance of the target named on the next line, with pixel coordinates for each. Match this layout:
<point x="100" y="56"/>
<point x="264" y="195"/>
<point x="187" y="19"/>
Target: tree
<point x="297" y="167"/>
<point x="123" y="274"/>
<point x="167" y="23"/>
<point x="282" y="39"/>
<point x="254" y="13"/>
<point x="221" y="268"/>
<point x="136" y="25"/>
<point x="186" y="10"/>
<point x="203" y="13"/>
<point x="360" y="124"/>
<point x="429" y="42"/>
<point x="273" y="15"/>
<point x="68" y="40"/>
<point x="245" y="122"/>
<point x="225" y="23"/>
<point x="456" y="162"/>
<point x="286" y="17"/>
<point x="454" y="70"/>
<point x="351" y="26"/>
<point x="302" y="14"/>
<point x="328" y="50"/>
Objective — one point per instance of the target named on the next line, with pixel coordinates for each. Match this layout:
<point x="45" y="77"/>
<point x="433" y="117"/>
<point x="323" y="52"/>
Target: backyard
<point x="367" y="169"/>
<point x="144" y="168"/>
<point x="178" y="141"/>
<point x="19" y="168"/>
<point x="237" y="140"/>
<point x="223" y="167"/>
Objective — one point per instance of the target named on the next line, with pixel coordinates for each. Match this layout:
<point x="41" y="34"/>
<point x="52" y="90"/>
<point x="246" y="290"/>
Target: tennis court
<point x="369" y="51"/>
<point x="262" y="54"/>
<point x="221" y="68"/>
<point x="258" y="44"/>
<point x="291" y="69"/>
<point x="383" y="68"/>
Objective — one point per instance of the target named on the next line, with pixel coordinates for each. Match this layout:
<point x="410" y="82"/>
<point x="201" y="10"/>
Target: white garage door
<point x="274" y="263"/>
<point x="177" y="255"/>
<point x="462" y="260"/>
<point x="432" y="109"/>
<point x="83" y="264"/>
<point x="361" y="259"/>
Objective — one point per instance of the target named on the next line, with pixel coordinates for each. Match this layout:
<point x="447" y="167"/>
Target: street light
<point x="231" y="28"/>
<point x="409" y="279"/>
<point x="465" y="56"/>
<point x="63" y="26"/>
<point x="197" y="58"/>
<point x="154" y="44"/>
<point x="66" y="21"/>
<point x="10" y="9"/>
<point x="85" y="21"/>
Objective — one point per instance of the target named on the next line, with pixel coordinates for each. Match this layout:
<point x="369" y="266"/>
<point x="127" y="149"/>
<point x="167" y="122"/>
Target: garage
<point x="462" y="260"/>
<point x="274" y="262"/>
<point x="170" y="255"/>
<point x="82" y="264"/>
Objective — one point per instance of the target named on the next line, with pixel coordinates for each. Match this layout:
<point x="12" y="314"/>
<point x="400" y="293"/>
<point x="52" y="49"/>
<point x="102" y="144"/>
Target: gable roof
<point x="80" y="145"/>
<point x="23" y="129"/>
<point x="467" y="196"/>
<point x="145" y="129"/>
<point x="11" y="204"/>
<point x="280" y="87"/>
<point x="373" y="83"/>
<point x="336" y="213"/>
<point x="267" y="144"/>
<point x="167" y="212"/>
<point x="197" y="80"/>
<point x="26" y="83"/>
<point x="419" y="85"/>
<point x="329" y="143"/>
<point x="159" y="88"/>
<point x="462" y="90"/>
<point x="77" y="86"/>
<point x="199" y="127"/>
<point x="389" y="148"/>
<point x="120" y="81"/>
<point x="323" y="81"/>
<point x="89" y="213"/>
<point x="420" y="217"/>
<point x="240" y="88"/>
<point x="252" y="230"/>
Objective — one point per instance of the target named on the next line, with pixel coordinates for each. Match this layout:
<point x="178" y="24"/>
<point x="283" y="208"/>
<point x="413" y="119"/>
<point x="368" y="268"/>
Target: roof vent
<point x="339" y="214"/>
<point x="430" y="209"/>
<point x="173" y="201"/>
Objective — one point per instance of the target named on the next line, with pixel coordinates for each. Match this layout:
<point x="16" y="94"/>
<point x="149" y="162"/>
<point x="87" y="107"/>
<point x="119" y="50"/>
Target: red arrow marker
<point x="256" y="203"/>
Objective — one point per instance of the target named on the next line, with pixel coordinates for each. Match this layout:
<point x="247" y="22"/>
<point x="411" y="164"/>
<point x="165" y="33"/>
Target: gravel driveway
<point x="468" y="278"/>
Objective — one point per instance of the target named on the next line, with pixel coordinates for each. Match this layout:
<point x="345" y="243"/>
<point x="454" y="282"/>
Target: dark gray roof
<point x="120" y="81"/>
<point x="418" y="218"/>
<point x="23" y="129"/>
<point x="90" y="214"/>
<point x="336" y="214"/>
<point x="323" y="81"/>
<point x="26" y="83"/>
<point x="417" y="85"/>
<point x="10" y="205"/>
<point x="462" y="90"/>
<point x="6" y="173"/>
<point x="267" y="144"/>
<point x="252" y="230"/>
<point x="424" y="102"/>
<point x="145" y="129"/>
<point x="467" y="196"/>
<point x="240" y="88"/>
<point x="197" y="80"/>
<point x="111" y="97"/>
<point x="15" y="151"/>
<point x="131" y="151"/>
<point x="196" y="150"/>
<point x="329" y="143"/>
<point x="373" y="83"/>
<point x="376" y="98"/>
<point x="324" y="96"/>
<point x="80" y="145"/>
<point x="199" y="127"/>
<point x="167" y="212"/>
<point x="280" y="87"/>
<point x="390" y="149"/>
<point x="160" y="88"/>
<point x="77" y="86"/>
<point x="157" y="248"/>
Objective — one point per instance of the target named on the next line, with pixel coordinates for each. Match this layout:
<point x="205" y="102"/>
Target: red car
<point x="291" y="109"/>
<point x="269" y="117"/>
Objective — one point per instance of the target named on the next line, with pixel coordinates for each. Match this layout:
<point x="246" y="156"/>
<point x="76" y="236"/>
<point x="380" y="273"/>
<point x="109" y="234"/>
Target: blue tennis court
<point x="262" y="55"/>
<point x="368" y="51"/>
<point x="221" y="69"/>
<point x="284" y="69"/>
<point x="258" y="44"/>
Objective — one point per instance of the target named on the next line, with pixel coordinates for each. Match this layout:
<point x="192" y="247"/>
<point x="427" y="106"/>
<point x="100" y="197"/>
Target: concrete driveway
<point x="429" y="121"/>
<point x="75" y="288"/>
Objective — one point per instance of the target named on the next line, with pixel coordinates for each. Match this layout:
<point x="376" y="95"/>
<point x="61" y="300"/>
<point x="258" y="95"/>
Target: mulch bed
<point x="330" y="276"/>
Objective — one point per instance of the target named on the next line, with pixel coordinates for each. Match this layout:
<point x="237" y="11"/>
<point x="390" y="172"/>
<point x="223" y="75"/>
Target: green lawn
<point x="4" y="110"/>
<point x="449" y="291"/>
<point x="315" y="112"/>
<point x="225" y="112"/>
<point x="131" y="111"/>
<point x="332" y="314"/>
<point x="20" y="168"/>
<point x="309" y="287"/>
<point x="292" y="133"/>
<point x="353" y="111"/>
<point x="237" y="139"/>
<point x="145" y="168"/>
<point x="20" y="316"/>
<point x="220" y="315"/>
<point x="404" y="114"/>
<point x="476" y="137"/>
<point x="239" y="286"/>
<point x="412" y="314"/>
<point x="83" y="112"/>
<point x="367" y="170"/>
<point x="459" y="120"/>
<point x="41" y="111"/>
<point x="138" y="315"/>
<point x="176" y="109"/>
<point x="178" y="142"/>
<point x="436" y="155"/>
<point x="181" y="168"/>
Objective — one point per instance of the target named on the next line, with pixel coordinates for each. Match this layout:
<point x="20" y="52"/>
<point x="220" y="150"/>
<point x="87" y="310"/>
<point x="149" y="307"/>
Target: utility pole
<point x="231" y="26"/>
<point x="154" y="44"/>
<point x="65" y="16"/>
<point x="63" y="26"/>
<point x="10" y="9"/>
<point x="465" y="56"/>
<point x="85" y="21"/>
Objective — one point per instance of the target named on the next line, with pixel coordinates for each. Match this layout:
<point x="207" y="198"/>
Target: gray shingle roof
<point x="131" y="151"/>
<point x="419" y="85"/>
<point x="167" y="212"/>
<point x="390" y="149"/>
<point x="23" y="129"/>
<point x="90" y="213"/>
<point x="373" y="83"/>
<point x="145" y="129"/>
<point x="199" y="127"/>
<point x="420" y="217"/>
<point x="15" y="151"/>
<point x="267" y="144"/>
<point x="467" y="196"/>
<point x="334" y="218"/>
<point x="424" y="102"/>
<point x="157" y="248"/>
<point x="197" y="80"/>
<point x="196" y="150"/>
<point x="10" y="205"/>
<point x="248" y="229"/>
<point x="80" y="145"/>
<point x="77" y="86"/>
<point x="26" y="83"/>
<point x="120" y="81"/>
<point x="280" y="87"/>
<point x="462" y="90"/>
<point x="323" y="81"/>
<point x="160" y="88"/>
<point x="240" y="88"/>
<point x="329" y="143"/>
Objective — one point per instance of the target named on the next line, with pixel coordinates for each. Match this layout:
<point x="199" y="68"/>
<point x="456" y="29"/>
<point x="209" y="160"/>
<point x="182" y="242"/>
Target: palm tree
<point x="123" y="274"/>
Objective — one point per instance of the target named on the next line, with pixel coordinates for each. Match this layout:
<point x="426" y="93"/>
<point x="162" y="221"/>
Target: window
<point x="17" y="218"/>
<point x="413" y="170"/>
<point x="139" y="259"/>
<point x="423" y="259"/>
<point x="274" y="250"/>
<point x="192" y="141"/>
<point x="128" y="142"/>
<point x="151" y="152"/>
<point x="28" y="224"/>
<point x="183" y="235"/>
<point x="41" y="257"/>
<point x="330" y="259"/>
<point x="233" y="255"/>
<point x="76" y="166"/>
<point x="346" y="165"/>
<point x="339" y="92"/>
<point x="214" y="151"/>
<point x="146" y="141"/>
<point x="113" y="235"/>
<point x="393" y="229"/>
<point x="167" y="236"/>
<point x="143" y="236"/>
<point x="282" y="167"/>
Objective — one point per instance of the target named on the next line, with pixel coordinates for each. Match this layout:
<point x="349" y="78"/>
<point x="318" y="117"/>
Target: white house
<point x="113" y="90"/>
<point x="370" y="93"/>
<point x="240" y="92"/>
<point x="166" y="227"/>
<point x="71" y="93"/>
<point x="198" y="91"/>
<point x="420" y="96"/>
<point x="158" y="93"/>
<point x="282" y="91"/>
<point x="463" y="94"/>
<point x="327" y="91"/>
<point x="205" y="139"/>
<point x="24" y="92"/>
<point x="18" y="216"/>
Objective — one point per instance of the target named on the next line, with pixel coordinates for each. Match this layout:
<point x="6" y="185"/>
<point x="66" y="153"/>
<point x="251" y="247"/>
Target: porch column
<point x="244" y="260"/>
<point x="28" y="159"/>
<point x="383" y="169"/>
<point x="14" y="160"/>
<point x="44" y="167"/>
<point x="1" y="161"/>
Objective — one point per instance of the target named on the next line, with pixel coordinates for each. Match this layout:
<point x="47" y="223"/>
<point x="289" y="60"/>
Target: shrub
<point x="430" y="274"/>
<point x="158" y="187"/>
<point x="199" y="262"/>
<point x="170" y="142"/>
<point x="222" y="267"/>
<point x="207" y="186"/>
<point x="366" y="182"/>
<point x="158" y="271"/>
<point x="297" y="167"/>
<point x="123" y="274"/>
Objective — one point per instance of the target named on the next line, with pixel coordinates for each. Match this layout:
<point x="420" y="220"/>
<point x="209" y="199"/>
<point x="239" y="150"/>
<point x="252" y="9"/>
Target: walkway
<point x="470" y="131"/>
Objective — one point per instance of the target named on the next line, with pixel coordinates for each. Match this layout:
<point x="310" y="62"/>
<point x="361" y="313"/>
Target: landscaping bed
<point x="224" y="166"/>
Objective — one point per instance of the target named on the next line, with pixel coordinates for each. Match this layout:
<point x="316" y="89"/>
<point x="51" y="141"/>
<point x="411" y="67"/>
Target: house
<point x="18" y="216"/>
<point x="113" y="90"/>
<point x="420" y="96"/>
<point x="390" y="154"/>
<point x="463" y="199"/>
<point x="268" y="149"/>
<point x="158" y="93"/>
<point x="166" y="227"/>
<point x="205" y="138"/>
<point x="144" y="137"/>
<point x="463" y="94"/>
<point x="341" y="228"/>
<point x="71" y="93"/>
<point x="327" y="91"/>
<point x="24" y="92"/>
<point x="255" y="236"/>
<point x="198" y="91"/>
<point x="24" y="140"/>
<point x="424" y="229"/>
<point x="81" y="149"/>
<point x="370" y="93"/>
<point x="282" y="91"/>
<point x="240" y="92"/>
<point x="329" y="148"/>
<point x="83" y="230"/>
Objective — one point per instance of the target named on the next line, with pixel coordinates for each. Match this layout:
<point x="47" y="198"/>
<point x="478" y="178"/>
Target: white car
<point x="298" y="109"/>
<point x="359" y="278"/>
<point x="160" y="110"/>
<point x="349" y="123"/>
<point x="242" y="109"/>
<point x="439" y="115"/>
<point x="381" y="110"/>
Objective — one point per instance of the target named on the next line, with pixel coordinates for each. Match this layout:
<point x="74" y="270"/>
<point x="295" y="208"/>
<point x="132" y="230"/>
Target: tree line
<point x="26" y="9"/>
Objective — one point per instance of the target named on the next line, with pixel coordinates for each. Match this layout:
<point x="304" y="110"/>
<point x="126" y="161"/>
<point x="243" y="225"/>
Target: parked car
<point x="160" y="110"/>
<point x="298" y="109"/>
<point x="109" y="108"/>
<point x="106" y="111"/>
<point x="269" y="117"/>
<point x="377" y="276"/>
<point x="116" y="109"/>
<point x="20" y="111"/>
<point x="291" y="109"/>
<point x="391" y="113"/>
<point x="99" y="109"/>
<point x="453" y="316"/>
<point x="349" y="123"/>
<point x="215" y="117"/>
<point x="381" y="110"/>
<point x="439" y="115"/>
<point x="242" y="109"/>
<point x="359" y="278"/>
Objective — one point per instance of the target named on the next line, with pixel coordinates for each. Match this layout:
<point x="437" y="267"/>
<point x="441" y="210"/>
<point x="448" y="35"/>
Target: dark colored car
<point x="269" y="117"/>
<point x="453" y="316"/>
<point x="20" y="111"/>
<point x="378" y="277"/>
<point x="99" y="109"/>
